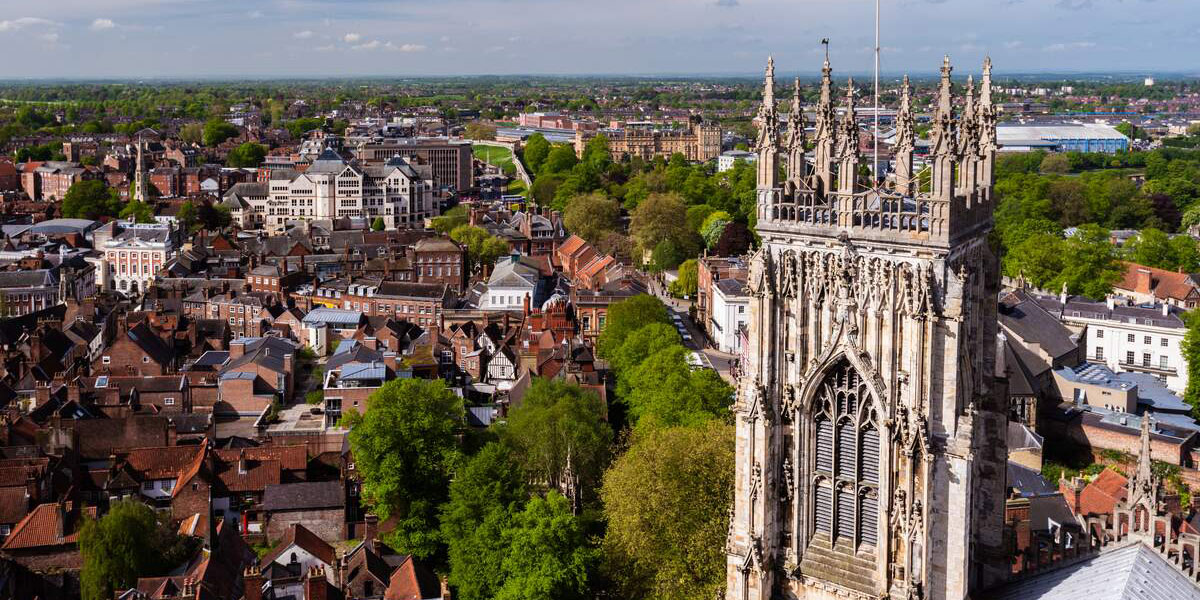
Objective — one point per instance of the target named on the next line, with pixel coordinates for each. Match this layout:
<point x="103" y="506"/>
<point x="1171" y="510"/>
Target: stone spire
<point x="797" y="166"/>
<point x="905" y="142"/>
<point x="767" y="145"/>
<point x="985" y="117"/>
<point x="968" y="142"/>
<point x="847" y="146"/>
<point x="1143" y="486"/>
<point x="941" y="139"/>
<point x="825" y="131"/>
<point x="139" y="178"/>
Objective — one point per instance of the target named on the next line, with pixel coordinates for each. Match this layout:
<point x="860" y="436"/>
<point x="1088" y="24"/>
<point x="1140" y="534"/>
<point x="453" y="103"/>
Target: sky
<point x="394" y="38"/>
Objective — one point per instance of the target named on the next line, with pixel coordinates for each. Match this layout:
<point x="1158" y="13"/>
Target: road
<point x="721" y="362"/>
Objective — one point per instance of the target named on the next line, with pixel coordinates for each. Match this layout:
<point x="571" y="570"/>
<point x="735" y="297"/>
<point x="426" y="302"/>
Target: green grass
<point x="517" y="186"/>
<point x="494" y="155"/>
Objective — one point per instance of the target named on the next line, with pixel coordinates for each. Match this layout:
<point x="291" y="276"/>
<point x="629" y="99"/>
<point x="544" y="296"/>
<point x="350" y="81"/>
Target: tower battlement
<point x="948" y="200"/>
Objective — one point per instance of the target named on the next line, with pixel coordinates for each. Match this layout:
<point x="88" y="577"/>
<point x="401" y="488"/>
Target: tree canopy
<point x="126" y="543"/>
<point x="405" y="447"/>
<point x="482" y="247"/>
<point x="248" y="154"/>
<point x="548" y="555"/>
<point x="627" y="316"/>
<point x="217" y="131"/>
<point x="591" y="216"/>
<point x="535" y="151"/>
<point x="90" y="199"/>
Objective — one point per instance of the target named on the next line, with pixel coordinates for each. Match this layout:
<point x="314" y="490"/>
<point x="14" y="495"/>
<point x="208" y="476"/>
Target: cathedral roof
<point x="1135" y="572"/>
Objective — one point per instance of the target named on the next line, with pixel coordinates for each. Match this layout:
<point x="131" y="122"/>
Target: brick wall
<point x="329" y="524"/>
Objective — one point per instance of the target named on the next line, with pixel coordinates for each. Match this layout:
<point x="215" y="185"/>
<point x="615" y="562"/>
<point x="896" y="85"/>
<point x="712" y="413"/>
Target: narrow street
<point x="721" y="362"/>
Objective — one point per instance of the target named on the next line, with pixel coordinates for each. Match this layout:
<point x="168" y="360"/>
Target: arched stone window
<point x="845" y="460"/>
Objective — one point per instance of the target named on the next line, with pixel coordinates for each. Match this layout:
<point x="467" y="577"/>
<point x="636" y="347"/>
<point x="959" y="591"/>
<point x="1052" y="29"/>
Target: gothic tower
<point x="870" y="418"/>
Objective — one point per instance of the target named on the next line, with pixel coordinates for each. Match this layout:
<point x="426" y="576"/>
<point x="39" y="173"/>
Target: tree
<point x="736" y="239"/>
<point x="1039" y="259"/>
<point x="138" y="212"/>
<point x="450" y="219"/>
<point x="1152" y="248"/>
<point x="1185" y="254"/>
<point x="123" y="545"/>
<point x="483" y="496"/>
<point x="213" y="216"/>
<point x="480" y="131"/>
<point x="404" y="448"/>
<point x="639" y="346"/>
<point x="545" y="188"/>
<point x="596" y="153"/>
<point x="187" y="216"/>
<point x="667" y="255"/>
<point x="592" y="215"/>
<point x="665" y="391"/>
<point x="482" y="247"/>
<point x="535" y="152"/>
<point x="685" y="281"/>
<point x="548" y="553"/>
<point x="248" y="154"/>
<point x="217" y="131"/>
<point x="627" y="316"/>
<point x="559" y="437"/>
<point x="667" y="500"/>
<point x="1056" y="162"/>
<point x="1191" y="354"/>
<point x="560" y="160"/>
<point x="659" y="217"/>
<point x="697" y="216"/>
<point x="90" y="199"/>
<point x="1092" y="266"/>
<point x="378" y="224"/>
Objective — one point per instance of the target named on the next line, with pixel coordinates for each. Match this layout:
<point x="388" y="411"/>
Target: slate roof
<point x="299" y="535"/>
<point x="404" y="289"/>
<point x="1135" y="572"/>
<point x="1028" y="482"/>
<point x="1021" y="314"/>
<point x="304" y="495"/>
<point x="151" y="344"/>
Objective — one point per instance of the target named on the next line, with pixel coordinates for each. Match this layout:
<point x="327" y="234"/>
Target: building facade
<point x="870" y="424"/>
<point x="697" y="143"/>
<point x="132" y="257"/>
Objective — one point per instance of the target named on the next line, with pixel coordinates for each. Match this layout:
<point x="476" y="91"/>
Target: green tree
<point x="187" y="216"/>
<point x="482" y="247"/>
<point x="665" y="391"/>
<point x="213" y="216"/>
<point x="1151" y="247"/>
<point x="1039" y="259"/>
<point x="685" y="282"/>
<point x="535" y="151"/>
<point x="1191" y="354"/>
<point x="596" y="153"/>
<point x="450" y="219"/>
<point x="1091" y="267"/>
<point x="667" y="501"/>
<point x="1185" y="254"/>
<point x="90" y="199"/>
<point x="560" y="160"/>
<point x="138" y="212"/>
<point x="248" y="154"/>
<point x="405" y="447"/>
<point x="484" y="495"/>
<point x="627" y="316"/>
<point x="639" y="346"/>
<point x="660" y="217"/>
<point x="217" y="131"/>
<point x="1056" y="162"/>
<point x="559" y="436"/>
<point x="697" y="216"/>
<point x="378" y="224"/>
<point x="545" y="188"/>
<point x="591" y="216"/>
<point x="548" y="553"/>
<point x="123" y="545"/>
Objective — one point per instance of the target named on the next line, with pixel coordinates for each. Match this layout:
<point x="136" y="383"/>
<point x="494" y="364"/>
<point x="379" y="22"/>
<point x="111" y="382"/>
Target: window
<point x="1146" y="340"/>
<point x="1099" y="334"/>
<point x="149" y="485"/>
<point x="1146" y="359"/>
<point x="168" y="485"/>
<point x="1129" y="357"/>
<point x="1129" y="338"/>
<point x="1162" y="342"/>
<point x="168" y="402"/>
<point x="1162" y="362"/>
<point x="105" y="360"/>
<point x="741" y="310"/>
<point x="845" y="460"/>
<point x="145" y="359"/>
<point x="1099" y="353"/>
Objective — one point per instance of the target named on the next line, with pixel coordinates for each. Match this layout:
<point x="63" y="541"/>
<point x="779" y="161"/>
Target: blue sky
<point x="289" y="38"/>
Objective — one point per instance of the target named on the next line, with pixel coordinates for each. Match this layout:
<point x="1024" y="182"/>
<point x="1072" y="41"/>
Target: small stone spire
<point x="797" y="163"/>
<point x="1143" y="486"/>
<point x="847" y="144"/>
<point x="825" y="130"/>
<point x="767" y="145"/>
<point x="769" y="84"/>
<point x="905" y="141"/>
<point x="139" y="178"/>
<point x="985" y="85"/>
<point x="944" y="90"/>
<point x="941" y="140"/>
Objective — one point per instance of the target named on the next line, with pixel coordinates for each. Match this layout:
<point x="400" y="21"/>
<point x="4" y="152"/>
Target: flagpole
<point x="875" y="137"/>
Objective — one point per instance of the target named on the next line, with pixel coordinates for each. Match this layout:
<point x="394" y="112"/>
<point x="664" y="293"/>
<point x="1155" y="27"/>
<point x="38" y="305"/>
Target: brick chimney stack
<point x="252" y="580"/>
<point x="315" y="586"/>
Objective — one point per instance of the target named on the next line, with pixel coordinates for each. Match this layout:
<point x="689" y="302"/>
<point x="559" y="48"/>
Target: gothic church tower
<point x="870" y="418"/>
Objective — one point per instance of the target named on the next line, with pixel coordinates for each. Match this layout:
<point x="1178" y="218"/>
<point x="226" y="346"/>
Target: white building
<point x="726" y="159"/>
<point x="730" y="312"/>
<point x="513" y="285"/>
<point x="330" y="188"/>
<point x="1126" y="338"/>
<point x="134" y="255"/>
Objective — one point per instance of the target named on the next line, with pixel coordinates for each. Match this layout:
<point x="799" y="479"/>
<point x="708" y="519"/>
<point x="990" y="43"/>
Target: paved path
<point x="721" y="362"/>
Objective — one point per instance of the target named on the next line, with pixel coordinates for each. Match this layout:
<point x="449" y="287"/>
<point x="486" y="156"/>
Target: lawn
<point x="494" y="155"/>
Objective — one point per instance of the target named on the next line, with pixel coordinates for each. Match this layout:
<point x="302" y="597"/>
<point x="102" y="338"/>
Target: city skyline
<point x="298" y="38"/>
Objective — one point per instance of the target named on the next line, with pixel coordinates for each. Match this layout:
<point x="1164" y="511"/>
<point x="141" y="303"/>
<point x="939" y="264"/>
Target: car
<point x="687" y="337"/>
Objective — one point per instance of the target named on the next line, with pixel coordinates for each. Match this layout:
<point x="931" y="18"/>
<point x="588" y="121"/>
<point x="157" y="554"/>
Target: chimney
<point x="392" y="361"/>
<point x="288" y="361"/>
<point x="236" y="349"/>
<point x="315" y="587"/>
<point x="1062" y="296"/>
<point x="1166" y="309"/>
<point x="526" y="302"/>
<point x="1110" y="301"/>
<point x="371" y="529"/>
<point x="252" y="579"/>
<point x="189" y="587"/>
<point x="242" y="465"/>
<point x="1143" y="280"/>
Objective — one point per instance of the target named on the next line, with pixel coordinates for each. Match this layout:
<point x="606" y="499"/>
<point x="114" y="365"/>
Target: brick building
<point x="440" y="260"/>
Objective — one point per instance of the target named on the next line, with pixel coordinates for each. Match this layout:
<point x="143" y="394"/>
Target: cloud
<point x="1062" y="47"/>
<point x="1074" y="4"/>
<point x="350" y="38"/>
<point x="102" y="24"/>
<point x="726" y="3"/>
<point x="371" y="45"/>
<point x="303" y="35"/>
<point x="405" y="47"/>
<point x="445" y="38"/>
<point x="328" y="48"/>
<point x="255" y="14"/>
<point x="23" y="22"/>
<point x="1013" y="44"/>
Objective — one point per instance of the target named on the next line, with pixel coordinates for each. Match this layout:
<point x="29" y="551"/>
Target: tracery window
<point x="845" y="460"/>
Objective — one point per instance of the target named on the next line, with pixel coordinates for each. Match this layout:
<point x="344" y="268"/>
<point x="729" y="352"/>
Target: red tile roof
<point x="47" y="525"/>
<point x="1161" y="282"/>
<point x="258" y="475"/>
<point x="1100" y="496"/>
<point x="14" y="504"/>
<point x="162" y="463"/>
<point x="291" y="458"/>
<point x="411" y="581"/>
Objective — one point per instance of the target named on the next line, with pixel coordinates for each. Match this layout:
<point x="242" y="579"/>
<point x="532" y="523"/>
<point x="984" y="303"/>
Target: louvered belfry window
<point x="845" y="460"/>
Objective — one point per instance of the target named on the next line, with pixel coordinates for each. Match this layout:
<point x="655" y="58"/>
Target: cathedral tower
<point x="870" y="417"/>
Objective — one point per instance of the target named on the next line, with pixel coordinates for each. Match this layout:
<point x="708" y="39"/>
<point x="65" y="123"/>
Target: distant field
<point x="494" y="155"/>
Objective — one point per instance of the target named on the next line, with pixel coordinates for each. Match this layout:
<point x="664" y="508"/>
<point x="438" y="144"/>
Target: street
<point x="721" y="362"/>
